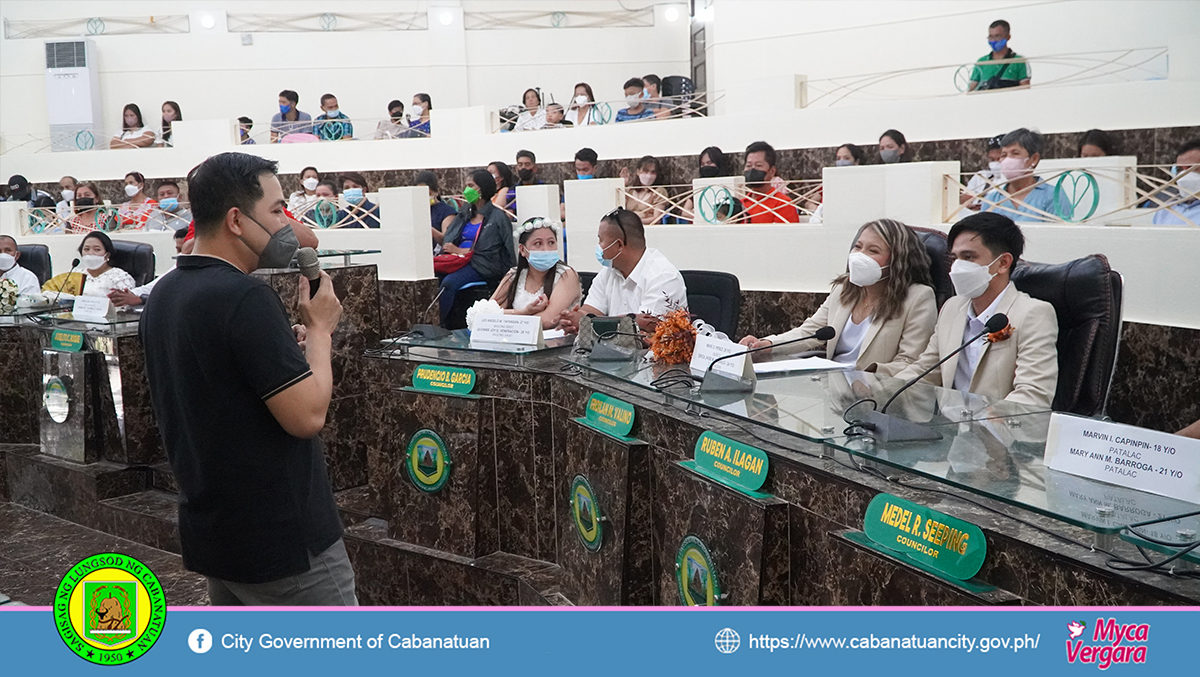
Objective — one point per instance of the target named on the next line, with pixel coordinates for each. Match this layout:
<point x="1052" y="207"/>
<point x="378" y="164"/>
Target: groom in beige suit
<point x="1018" y="366"/>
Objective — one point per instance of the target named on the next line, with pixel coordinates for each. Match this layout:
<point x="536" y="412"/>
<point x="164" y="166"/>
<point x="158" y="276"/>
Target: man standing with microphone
<point x="240" y="397"/>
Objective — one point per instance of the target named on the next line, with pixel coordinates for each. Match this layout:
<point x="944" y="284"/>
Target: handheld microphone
<point x="994" y="324"/>
<point x="822" y="334"/>
<point x="310" y="267"/>
<point x="63" y="284"/>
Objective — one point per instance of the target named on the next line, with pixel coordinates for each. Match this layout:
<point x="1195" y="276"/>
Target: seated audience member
<point x="134" y="133"/>
<point x="332" y="124"/>
<point x="633" y="279"/>
<point x="582" y="110"/>
<point x="554" y="117"/>
<point x="506" y="186"/>
<point x="169" y="216"/>
<point x="359" y="212"/>
<point x="302" y="199"/>
<point x="90" y="213"/>
<point x="11" y="269"/>
<point x="289" y="119"/>
<point x="989" y="75"/>
<point x="421" y="105"/>
<point x="440" y="213"/>
<point x="245" y="124"/>
<point x="394" y="127"/>
<point x="19" y="190"/>
<point x="1187" y="186"/>
<point x="985" y="180"/>
<point x="1028" y="198"/>
<point x="533" y="116"/>
<point x="848" y="155"/>
<point x="642" y="194"/>
<point x="1096" y="143"/>
<point x="541" y="284"/>
<point x="714" y="162"/>
<point x="586" y="161"/>
<point x="66" y="187"/>
<point x="883" y="307"/>
<point x="99" y="277"/>
<point x="635" y="97"/>
<point x="1020" y="365"/>
<point x="893" y="148"/>
<point x="484" y="232"/>
<point x="765" y="203"/>
<point x="132" y="215"/>
<point x="652" y="86"/>
<point x="324" y="212"/>
<point x="138" y="295"/>
<point x="170" y="113"/>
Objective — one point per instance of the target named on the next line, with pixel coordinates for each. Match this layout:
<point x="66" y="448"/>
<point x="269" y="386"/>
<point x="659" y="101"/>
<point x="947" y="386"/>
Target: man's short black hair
<point x="653" y="79"/>
<point x="765" y="148"/>
<point x="1000" y="23"/>
<point x="527" y="153"/>
<point x="1028" y="139"/>
<point x="394" y="104"/>
<point x="1188" y="146"/>
<point x="167" y="182"/>
<point x="181" y="233"/>
<point x="629" y="223"/>
<point x="356" y="178"/>
<point x="997" y="232"/>
<point x="246" y="121"/>
<point x="587" y="155"/>
<point x="290" y="96"/>
<point x="633" y="82"/>
<point x="223" y="182"/>
<point x="326" y="97"/>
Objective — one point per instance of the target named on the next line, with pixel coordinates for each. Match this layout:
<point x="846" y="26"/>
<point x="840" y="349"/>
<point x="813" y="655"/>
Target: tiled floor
<point x="37" y="549"/>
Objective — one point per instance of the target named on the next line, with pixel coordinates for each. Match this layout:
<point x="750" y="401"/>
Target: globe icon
<point x="728" y="641"/>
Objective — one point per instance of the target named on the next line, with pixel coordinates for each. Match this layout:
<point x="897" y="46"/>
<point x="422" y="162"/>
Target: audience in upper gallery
<point x="765" y="202"/>
<point x="245" y="124"/>
<point x="419" y="111"/>
<point x="139" y="295"/>
<point x="134" y="133"/>
<point x="394" y="127"/>
<point x="632" y="278"/>
<point x="132" y="215"/>
<point x="582" y="110"/>
<point x="170" y="113"/>
<point x="11" y="269"/>
<point x="359" y="212"/>
<point x="19" y="190"/>
<point x="169" y="215"/>
<point x="301" y="199"/>
<point x="652" y="88"/>
<point x="66" y="188"/>
<point x="1018" y="363"/>
<point x="90" y="213"/>
<point x="555" y="116"/>
<point x="989" y="75"/>
<point x="643" y="196"/>
<point x="985" y="180"/>
<point x="882" y="307"/>
<point x="324" y="210"/>
<point x="506" y="186"/>
<point x="332" y="124"/>
<point x="289" y="119"/>
<point x="1096" y="143"/>
<point x="586" y="161"/>
<point x="1187" y="189"/>
<point x="534" y="116"/>
<point x="712" y="163"/>
<point x="635" y="97"/>
<point x="848" y="155"/>
<point x="484" y="232"/>
<point x="440" y="213"/>
<point x="1027" y="199"/>
<point x="541" y="283"/>
<point x="893" y="148"/>
<point x="99" y="277"/>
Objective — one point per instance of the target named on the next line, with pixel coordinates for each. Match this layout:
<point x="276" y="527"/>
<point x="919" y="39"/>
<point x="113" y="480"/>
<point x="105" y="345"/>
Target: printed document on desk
<point x="799" y="364"/>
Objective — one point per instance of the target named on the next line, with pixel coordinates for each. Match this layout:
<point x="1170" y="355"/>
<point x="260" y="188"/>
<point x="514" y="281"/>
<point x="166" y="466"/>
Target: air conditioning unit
<point x="73" y="95"/>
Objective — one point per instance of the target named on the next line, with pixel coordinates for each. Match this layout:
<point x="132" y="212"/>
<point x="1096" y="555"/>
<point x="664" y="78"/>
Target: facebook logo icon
<point x="200" y="641"/>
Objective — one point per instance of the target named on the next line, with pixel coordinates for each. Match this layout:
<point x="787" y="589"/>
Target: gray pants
<point x="329" y="581"/>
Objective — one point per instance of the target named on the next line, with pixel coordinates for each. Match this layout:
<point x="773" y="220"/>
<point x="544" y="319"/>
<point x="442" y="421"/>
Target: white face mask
<point x="1014" y="168"/>
<point x="633" y="99"/>
<point x="581" y="99"/>
<point x="310" y="184"/>
<point x="92" y="261"/>
<point x="971" y="279"/>
<point x="68" y="195"/>
<point x="1189" y="184"/>
<point x="864" y="270"/>
<point x="332" y="112"/>
<point x="646" y="179"/>
<point x="7" y="262"/>
<point x="994" y="165"/>
<point x="132" y="189"/>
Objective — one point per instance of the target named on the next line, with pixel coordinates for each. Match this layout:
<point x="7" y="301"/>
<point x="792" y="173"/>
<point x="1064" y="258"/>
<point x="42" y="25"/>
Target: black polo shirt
<point x="254" y="501"/>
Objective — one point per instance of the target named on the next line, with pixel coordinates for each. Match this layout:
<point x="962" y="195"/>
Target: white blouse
<point x="850" y="342"/>
<point x="524" y="298"/>
<point x="102" y="284"/>
<point x="298" y="202"/>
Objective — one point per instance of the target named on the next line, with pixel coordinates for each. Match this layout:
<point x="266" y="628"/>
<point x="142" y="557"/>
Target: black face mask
<point x="85" y="202"/>
<point x="755" y="176"/>
<point x="397" y="116"/>
<point x="525" y="174"/>
<point x="709" y="171"/>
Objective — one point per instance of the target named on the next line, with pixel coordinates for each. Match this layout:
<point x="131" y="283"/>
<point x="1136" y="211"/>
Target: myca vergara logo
<point x="110" y="609"/>
<point x="428" y="461"/>
<point x="1112" y="643"/>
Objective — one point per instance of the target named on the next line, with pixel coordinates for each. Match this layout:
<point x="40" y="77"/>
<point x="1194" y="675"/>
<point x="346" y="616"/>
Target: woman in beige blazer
<point x="882" y="308"/>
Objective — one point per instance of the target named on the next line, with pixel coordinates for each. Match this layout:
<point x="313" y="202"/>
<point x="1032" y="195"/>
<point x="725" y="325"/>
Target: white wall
<point x="212" y="75"/>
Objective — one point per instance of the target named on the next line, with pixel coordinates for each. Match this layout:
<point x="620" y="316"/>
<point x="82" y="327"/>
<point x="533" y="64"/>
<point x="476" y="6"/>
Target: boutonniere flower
<point x="1002" y="335"/>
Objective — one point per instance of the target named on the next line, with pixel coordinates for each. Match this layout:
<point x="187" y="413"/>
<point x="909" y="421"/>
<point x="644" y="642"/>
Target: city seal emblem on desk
<point x="110" y="609"/>
<point x="585" y="512"/>
<point x="428" y="461"/>
<point x="695" y="575"/>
